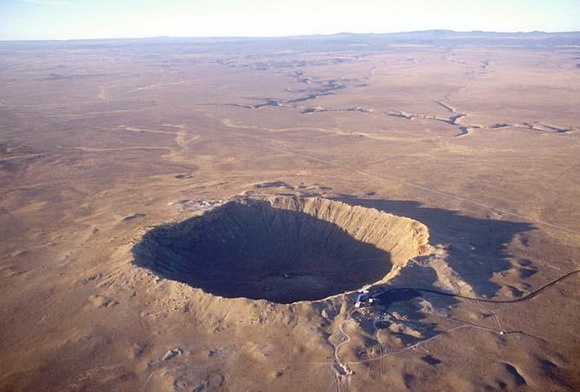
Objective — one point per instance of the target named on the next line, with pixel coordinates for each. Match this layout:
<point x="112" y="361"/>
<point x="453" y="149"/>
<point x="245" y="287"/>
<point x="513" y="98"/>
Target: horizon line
<point x="249" y="37"/>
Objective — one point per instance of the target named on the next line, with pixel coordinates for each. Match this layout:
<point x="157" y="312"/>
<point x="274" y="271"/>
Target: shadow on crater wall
<point x="251" y="249"/>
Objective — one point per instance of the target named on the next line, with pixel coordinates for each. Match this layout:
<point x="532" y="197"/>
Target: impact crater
<point x="282" y="249"/>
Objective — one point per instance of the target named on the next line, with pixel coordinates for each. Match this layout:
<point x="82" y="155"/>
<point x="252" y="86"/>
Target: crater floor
<point x="282" y="249"/>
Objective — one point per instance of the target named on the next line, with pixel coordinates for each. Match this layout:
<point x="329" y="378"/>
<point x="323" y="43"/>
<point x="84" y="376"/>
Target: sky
<point x="80" y="19"/>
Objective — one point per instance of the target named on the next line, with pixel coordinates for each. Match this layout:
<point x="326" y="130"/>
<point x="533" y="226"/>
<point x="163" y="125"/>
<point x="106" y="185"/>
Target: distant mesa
<point x="282" y="249"/>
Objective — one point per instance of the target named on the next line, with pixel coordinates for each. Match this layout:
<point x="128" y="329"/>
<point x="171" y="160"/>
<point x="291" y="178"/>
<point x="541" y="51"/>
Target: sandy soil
<point x="474" y="138"/>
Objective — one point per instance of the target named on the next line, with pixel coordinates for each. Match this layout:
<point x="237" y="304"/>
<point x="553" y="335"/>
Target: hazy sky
<point x="66" y="19"/>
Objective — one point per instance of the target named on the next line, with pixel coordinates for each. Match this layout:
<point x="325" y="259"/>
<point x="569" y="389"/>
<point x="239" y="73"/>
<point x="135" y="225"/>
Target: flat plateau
<point x="475" y="137"/>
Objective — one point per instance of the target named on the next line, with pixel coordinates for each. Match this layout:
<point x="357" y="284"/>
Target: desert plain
<point x="199" y="214"/>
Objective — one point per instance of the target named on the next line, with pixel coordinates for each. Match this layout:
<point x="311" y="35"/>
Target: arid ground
<point x="198" y="215"/>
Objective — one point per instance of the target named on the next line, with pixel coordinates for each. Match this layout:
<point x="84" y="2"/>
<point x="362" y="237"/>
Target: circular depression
<point x="282" y="249"/>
